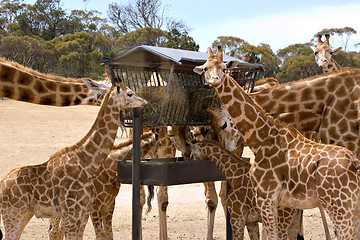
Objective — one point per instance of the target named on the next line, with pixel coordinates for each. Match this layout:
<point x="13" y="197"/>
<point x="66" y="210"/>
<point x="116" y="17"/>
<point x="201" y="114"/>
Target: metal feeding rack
<point x="176" y="96"/>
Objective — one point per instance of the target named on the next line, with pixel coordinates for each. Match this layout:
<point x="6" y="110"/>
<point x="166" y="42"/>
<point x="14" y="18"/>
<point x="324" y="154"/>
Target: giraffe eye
<point x="205" y="69"/>
<point x="118" y="89"/>
<point x="130" y="94"/>
<point x="316" y="53"/>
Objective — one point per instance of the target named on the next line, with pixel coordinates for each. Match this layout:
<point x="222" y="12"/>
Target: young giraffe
<point x="229" y="138"/>
<point x="24" y="84"/>
<point x="107" y="187"/>
<point x="324" y="54"/>
<point x="241" y="200"/>
<point x="62" y="186"/>
<point x="166" y="149"/>
<point x="179" y="135"/>
<point x="289" y="170"/>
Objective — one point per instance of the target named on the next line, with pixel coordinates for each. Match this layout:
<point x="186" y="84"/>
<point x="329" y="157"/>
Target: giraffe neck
<point x="332" y="66"/>
<point x="23" y="84"/>
<point x="250" y="119"/>
<point x="93" y="148"/>
<point x="229" y="164"/>
<point x="124" y="149"/>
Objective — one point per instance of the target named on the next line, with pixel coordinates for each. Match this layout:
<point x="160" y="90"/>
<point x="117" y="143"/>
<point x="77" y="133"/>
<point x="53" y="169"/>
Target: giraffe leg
<point x="102" y="222"/>
<point x="343" y="223"/>
<point x="238" y="227"/>
<point x="74" y="226"/>
<point x="253" y="230"/>
<point x="269" y="216"/>
<point x="357" y="220"/>
<point x="290" y="223"/>
<point x="14" y="226"/>
<point x="211" y="203"/>
<point x="107" y="222"/>
<point x="326" y="228"/>
<point x="142" y="203"/>
<point x="97" y="221"/>
<point x="56" y="232"/>
<point x="163" y="201"/>
<point x="222" y="195"/>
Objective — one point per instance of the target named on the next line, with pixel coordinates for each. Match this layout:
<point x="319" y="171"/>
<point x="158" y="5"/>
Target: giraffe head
<point x="179" y="135"/>
<point x="323" y="52"/>
<point x="225" y="130"/>
<point x="97" y="91"/>
<point x="196" y="152"/>
<point x="214" y="68"/>
<point x="125" y="98"/>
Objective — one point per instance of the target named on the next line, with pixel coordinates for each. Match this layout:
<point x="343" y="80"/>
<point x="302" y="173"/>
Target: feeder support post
<point x="136" y="217"/>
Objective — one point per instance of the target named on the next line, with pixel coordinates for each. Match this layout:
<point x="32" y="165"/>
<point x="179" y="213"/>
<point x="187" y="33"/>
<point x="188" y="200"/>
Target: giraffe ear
<point x="335" y="50"/>
<point x="91" y="84"/>
<point x="231" y="64"/>
<point x="199" y="69"/>
<point x="210" y="52"/>
<point x="313" y="48"/>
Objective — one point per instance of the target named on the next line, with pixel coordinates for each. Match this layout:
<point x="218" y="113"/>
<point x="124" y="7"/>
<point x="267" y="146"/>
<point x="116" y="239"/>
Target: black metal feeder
<point x="176" y="96"/>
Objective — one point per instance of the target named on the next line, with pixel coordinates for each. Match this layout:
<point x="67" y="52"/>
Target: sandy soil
<point x="30" y="133"/>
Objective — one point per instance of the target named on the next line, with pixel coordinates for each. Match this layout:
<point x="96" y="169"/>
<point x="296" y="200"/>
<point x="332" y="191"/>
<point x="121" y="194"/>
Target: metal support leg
<point x="137" y="130"/>
<point x="229" y="234"/>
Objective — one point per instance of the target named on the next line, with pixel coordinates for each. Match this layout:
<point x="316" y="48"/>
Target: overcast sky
<point x="277" y="23"/>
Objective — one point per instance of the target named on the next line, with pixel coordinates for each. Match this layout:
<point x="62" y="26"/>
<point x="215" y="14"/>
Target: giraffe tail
<point x="149" y="198"/>
<point x="1" y="234"/>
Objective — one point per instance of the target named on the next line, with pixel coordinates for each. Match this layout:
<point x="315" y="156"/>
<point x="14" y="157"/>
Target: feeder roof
<point x="149" y="56"/>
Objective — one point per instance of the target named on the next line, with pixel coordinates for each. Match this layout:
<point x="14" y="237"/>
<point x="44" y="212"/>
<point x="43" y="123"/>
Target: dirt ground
<point x="30" y="133"/>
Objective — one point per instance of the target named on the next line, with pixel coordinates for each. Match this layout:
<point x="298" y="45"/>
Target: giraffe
<point x="62" y="186"/>
<point x="264" y="83"/>
<point x="229" y="138"/>
<point x="166" y="149"/>
<point x="179" y="136"/>
<point x="241" y="200"/>
<point x="326" y="105"/>
<point x="324" y="54"/>
<point x="289" y="170"/>
<point x="107" y="187"/>
<point x="24" y="84"/>
<point x="227" y="135"/>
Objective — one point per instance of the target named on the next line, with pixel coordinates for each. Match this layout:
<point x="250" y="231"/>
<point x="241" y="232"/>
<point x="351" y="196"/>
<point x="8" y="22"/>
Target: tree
<point x="258" y="54"/>
<point x="9" y="10"/>
<point x="298" y="67"/>
<point x="87" y="21"/>
<point x="142" y="36"/>
<point x="298" y="61"/>
<point x="347" y="59"/>
<point x="142" y="14"/>
<point x="136" y="15"/>
<point x="230" y="43"/>
<point x="78" y="56"/>
<point x="32" y="52"/>
<point x="295" y="49"/>
<point x="180" y="40"/>
<point x="45" y="18"/>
